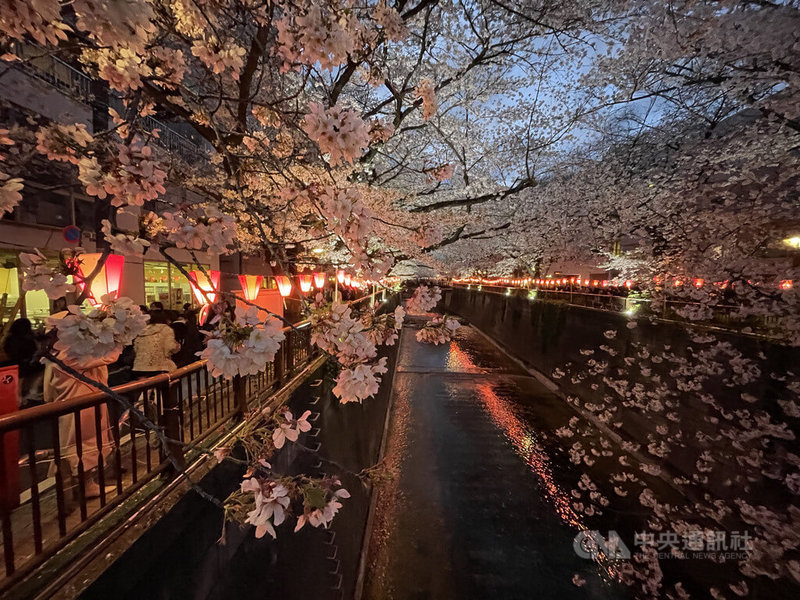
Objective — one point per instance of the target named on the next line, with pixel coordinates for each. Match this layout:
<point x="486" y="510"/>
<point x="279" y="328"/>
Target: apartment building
<point x="55" y="214"/>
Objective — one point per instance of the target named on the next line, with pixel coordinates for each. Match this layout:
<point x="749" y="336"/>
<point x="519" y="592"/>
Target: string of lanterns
<point x="785" y="284"/>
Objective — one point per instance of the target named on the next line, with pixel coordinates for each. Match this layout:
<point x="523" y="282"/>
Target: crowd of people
<point x="171" y="340"/>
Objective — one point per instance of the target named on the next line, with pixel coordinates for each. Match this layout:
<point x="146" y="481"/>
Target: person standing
<point x="154" y="348"/>
<point x="21" y="348"/>
<point x="59" y="386"/>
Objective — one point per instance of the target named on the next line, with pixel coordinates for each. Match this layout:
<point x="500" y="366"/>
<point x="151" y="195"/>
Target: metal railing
<point x="49" y="451"/>
<point x="724" y="316"/>
<point x="42" y="65"/>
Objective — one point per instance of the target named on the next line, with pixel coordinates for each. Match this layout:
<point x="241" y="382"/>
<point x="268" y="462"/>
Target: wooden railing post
<point x="171" y="420"/>
<point x="280" y="371"/>
<point x="289" y="351"/>
<point x="240" y="395"/>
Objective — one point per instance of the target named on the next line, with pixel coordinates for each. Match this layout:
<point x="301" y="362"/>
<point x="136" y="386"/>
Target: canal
<point x="479" y="506"/>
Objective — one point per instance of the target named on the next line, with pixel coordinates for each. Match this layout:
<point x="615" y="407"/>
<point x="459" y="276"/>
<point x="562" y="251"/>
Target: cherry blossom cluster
<point x="384" y="329"/>
<point x="424" y="299"/>
<point x="426" y="92"/>
<point x="265" y="498"/>
<point x="197" y="227"/>
<point x="320" y="34"/>
<point x="346" y="213"/>
<point x="102" y="332"/>
<point x="132" y="179"/>
<point x="380" y="131"/>
<point x="123" y="243"/>
<point x="39" y="275"/>
<point x="267" y="502"/>
<point x="390" y="20"/>
<point x="219" y="59"/>
<point x="439" y="330"/>
<point x="340" y="133"/>
<point x="244" y="344"/>
<point x="335" y="331"/>
<point x="440" y="172"/>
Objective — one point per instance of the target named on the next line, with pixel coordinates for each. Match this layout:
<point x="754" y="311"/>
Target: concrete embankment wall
<point x="550" y="335"/>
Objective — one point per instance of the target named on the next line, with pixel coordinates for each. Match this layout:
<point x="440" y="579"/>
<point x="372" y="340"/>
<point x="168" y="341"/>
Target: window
<point x="166" y="284"/>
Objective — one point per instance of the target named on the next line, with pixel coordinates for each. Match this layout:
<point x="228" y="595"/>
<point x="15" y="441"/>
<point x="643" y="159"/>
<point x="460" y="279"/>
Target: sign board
<point x="72" y="234"/>
<point x="9" y="469"/>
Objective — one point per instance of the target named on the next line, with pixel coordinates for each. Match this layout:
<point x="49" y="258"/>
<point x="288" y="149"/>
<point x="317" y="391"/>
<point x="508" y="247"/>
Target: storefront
<point x="36" y="306"/>
<point x="164" y="283"/>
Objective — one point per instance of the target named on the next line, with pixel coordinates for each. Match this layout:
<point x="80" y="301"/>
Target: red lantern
<point x="628" y="283"/>
<point x="107" y="281"/>
<point x="319" y="280"/>
<point x="786" y="284"/>
<point x="305" y="282"/>
<point x="348" y="279"/>
<point x="205" y="287"/>
<point x="698" y="282"/>
<point x="251" y="284"/>
<point x="340" y="276"/>
<point x="284" y="285"/>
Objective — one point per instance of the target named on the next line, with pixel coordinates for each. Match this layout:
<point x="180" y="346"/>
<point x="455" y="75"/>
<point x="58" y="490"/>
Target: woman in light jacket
<point x="154" y="347"/>
<point x="59" y="386"/>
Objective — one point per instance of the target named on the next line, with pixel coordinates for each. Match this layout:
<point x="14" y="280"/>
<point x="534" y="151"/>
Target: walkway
<point x="475" y="509"/>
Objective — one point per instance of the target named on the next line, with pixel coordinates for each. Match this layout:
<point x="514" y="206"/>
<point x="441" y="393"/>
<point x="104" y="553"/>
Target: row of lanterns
<point x="544" y="282"/>
<point x="204" y="283"/>
<point x="785" y="284"/>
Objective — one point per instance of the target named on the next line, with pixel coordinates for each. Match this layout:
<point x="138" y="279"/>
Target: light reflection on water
<point x="524" y="442"/>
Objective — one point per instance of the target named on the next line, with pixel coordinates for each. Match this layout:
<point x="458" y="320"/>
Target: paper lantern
<point x="251" y="285"/>
<point x="305" y="282"/>
<point x="786" y="284"/>
<point x="205" y="286"/>
<point x="319" y="280"/>
<point x="347" y="278"/>
<point x="107" y="281"/>
<point x="340" y="276"/>
<point x="284" y="285"/>
<point x="698" y="282"/>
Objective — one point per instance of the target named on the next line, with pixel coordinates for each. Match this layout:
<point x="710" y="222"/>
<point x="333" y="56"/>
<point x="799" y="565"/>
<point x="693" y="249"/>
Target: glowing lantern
<point x="628" y="283"/>
<point x="786" y="284"/>
<point x="698" y="282"/>
<point x="284" y="285"/>
<point x="347" y="279"/>
<point x="340" y="276"/>
<point x="319" y="280"/>
<point x="251" y="284"/>
<point x="305" y="282"/>
<point x="595" y="283"/>
<point x="205" y="288"/>
<point x="106" y="281"/>
<point x="605" y="283"/>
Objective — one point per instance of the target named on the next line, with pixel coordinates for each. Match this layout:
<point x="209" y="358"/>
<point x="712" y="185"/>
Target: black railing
<point x="48" y="451"/>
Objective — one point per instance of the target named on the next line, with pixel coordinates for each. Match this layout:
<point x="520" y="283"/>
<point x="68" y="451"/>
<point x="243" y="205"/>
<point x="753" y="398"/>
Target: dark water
<point x="484" y="513"/>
